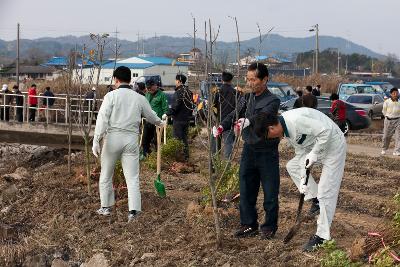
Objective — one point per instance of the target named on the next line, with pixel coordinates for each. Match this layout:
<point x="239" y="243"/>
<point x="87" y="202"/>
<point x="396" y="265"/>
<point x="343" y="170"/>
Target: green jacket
<point x="158" y="102"/>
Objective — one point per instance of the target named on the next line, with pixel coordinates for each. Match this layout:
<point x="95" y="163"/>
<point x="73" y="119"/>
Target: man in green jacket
<point x="159" y="103"/>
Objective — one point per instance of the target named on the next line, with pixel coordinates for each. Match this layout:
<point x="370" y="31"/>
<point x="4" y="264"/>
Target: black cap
<point x="150" y="83"/>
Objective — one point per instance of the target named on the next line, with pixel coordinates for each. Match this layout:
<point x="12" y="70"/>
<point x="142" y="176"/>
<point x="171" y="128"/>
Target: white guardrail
<point x="55" y="113"/>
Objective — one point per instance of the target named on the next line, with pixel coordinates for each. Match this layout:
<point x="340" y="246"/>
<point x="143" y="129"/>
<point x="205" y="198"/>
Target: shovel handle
<point x="159" y="132"/>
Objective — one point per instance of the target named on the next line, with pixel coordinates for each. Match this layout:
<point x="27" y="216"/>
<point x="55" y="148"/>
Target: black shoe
<point x="314" y="210"/>
<point x="267" y="234"/>
<point x="313" y="244"/>
<point x="246" y="231"/>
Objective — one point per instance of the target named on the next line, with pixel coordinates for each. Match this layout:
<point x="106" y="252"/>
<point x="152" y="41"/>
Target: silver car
<point x="371" y="103"/>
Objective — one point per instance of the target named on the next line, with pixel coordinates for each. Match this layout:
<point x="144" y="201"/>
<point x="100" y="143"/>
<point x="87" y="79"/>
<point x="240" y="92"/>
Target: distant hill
<point x="43" y="48"/>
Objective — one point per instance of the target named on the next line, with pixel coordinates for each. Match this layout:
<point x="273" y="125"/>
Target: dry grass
<point x="329" y="83"/>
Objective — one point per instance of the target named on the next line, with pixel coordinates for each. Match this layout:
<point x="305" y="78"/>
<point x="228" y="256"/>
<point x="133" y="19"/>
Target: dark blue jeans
<point x="259" y="166"/>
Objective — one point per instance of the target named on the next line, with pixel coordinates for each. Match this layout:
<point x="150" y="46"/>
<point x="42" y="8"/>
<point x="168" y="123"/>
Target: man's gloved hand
<point x="217" y="131"/>
<point x="303" y="187"/>
<point x="240" y="125"/>
<point x="96" y="148"/>
<point x="164" y="117"/>
<point x="311" y="158"/>
<point x="163" y="123"/>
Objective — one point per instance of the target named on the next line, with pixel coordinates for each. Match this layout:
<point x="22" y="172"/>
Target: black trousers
<point x="32" y="112"/>
<point x="149" y="133"/>
<point x="259" y="166"/>
<point x="4" y="113"/>
<point x="180" y="132"/>
<point x="20" y="114"/>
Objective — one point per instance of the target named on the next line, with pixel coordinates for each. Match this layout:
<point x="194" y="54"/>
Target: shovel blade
<point x="160" y="187"/>
<point x="291" y="233"/>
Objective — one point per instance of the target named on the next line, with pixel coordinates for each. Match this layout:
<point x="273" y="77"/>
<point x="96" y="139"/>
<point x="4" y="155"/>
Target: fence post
<point x="47" y="110"/>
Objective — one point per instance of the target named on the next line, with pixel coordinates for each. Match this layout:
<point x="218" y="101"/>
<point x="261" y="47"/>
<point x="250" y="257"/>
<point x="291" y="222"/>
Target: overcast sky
<point x="372" y="23"/>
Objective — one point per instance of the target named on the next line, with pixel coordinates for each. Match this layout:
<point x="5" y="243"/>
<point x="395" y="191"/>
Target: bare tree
<point x="212" y="176"/>
<point x="84" y="118"/>
<point x="262" y="38"/>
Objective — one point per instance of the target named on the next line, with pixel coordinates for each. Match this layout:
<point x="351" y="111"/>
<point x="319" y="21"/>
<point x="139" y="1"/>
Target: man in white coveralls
<point x="117" y="124"/>
<point x="316" y="139"/>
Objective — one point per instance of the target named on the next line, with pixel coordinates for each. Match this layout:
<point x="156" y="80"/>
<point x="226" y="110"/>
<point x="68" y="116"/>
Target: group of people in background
<point x="16" y="98"/>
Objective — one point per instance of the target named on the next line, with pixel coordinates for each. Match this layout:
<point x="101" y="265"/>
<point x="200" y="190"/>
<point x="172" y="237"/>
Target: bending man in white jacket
<point x="118" y="125"/>
<point x="318" y="139"/>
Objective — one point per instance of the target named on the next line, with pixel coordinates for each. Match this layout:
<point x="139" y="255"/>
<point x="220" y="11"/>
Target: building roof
<point x="63" y="62"/>
<point x="110" y="65"/>
<point x="31" y="70"/>
<point x="144" y="62"/>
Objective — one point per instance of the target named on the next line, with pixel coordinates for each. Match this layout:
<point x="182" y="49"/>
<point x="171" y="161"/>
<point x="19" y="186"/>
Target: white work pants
<point x="124" y="146"/>
<point x="327" y="189"/>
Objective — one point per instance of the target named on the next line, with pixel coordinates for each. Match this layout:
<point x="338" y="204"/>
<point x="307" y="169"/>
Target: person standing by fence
<point x="33" y="102"/>
<point x="19" y="102"/>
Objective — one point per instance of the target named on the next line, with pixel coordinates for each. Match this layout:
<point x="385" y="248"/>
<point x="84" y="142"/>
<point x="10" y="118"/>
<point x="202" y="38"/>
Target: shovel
<point x="158" y="184"/>
<point x="295" y="228"/>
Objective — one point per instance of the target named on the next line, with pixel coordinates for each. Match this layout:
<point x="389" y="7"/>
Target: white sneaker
<point x="396" y="153"/>
<point x="104" y="211"/>
<point x="383" y="152"/>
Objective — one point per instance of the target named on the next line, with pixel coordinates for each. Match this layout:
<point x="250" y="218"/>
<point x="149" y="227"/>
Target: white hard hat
<point x="93" y="88"/>
<point x="5" y="87"/>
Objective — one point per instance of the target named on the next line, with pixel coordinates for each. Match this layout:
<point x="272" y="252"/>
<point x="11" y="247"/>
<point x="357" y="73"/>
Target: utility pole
<point x="316" y="29"/>
<point x="137" y="43"/>
<point x="194" y="38"/>
<point x="155" y="39"/>
<point x="17" y="65"/>
<point x="338" y="61"/>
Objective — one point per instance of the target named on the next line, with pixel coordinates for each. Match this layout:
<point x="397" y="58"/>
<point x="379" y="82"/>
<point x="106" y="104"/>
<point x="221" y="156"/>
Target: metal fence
<point x="56" y="113"/>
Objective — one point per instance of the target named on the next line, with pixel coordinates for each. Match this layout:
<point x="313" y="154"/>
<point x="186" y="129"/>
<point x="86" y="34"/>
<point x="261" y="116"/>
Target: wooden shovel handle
<point x="159" y="134"/>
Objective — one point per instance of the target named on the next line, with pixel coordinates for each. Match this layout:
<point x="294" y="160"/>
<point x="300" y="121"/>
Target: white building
<point x="167" y="68"/>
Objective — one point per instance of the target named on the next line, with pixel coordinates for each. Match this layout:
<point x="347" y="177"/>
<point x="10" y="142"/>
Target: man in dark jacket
<point x="225" y="103"/>
<point x="260" y="158"/>
<point x="48" y="101"/>
<point x="317" y="90"/>
<point x="19" y="101"/>
<point x="309" y="100"/>
<point x="181" y="111"/>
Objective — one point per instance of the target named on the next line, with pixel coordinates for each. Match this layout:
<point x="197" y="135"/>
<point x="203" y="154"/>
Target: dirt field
<point x="47" y="214"/>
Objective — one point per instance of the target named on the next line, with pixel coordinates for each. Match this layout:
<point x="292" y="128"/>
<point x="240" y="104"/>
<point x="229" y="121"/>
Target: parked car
<point x="356" y="118"/>
<point x="282" y="90"/>
<point x="372" y="104"/>
<point x="384" y="86"/>
<point x="347" y="89"/>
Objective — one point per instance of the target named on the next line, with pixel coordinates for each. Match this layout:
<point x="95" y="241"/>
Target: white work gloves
<point x="164" y="117"/>
<point x="311" y="158"/>
<point x="240" y="125"/>
<point x="163" y="123"/>
<point x="303" y="188"/>
<point x="217" y="131"/>
<point x="96" y="147"/>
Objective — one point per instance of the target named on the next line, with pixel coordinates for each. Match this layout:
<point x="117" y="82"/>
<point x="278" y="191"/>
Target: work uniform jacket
<point x="122" y="111"/>
<point x="309" y="130"/>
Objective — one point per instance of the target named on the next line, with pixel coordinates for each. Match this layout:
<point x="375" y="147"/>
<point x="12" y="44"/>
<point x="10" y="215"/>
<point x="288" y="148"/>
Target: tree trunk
<point x="87" y="162"/>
